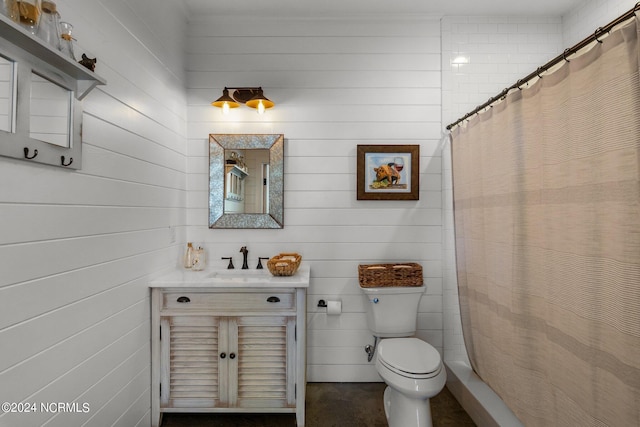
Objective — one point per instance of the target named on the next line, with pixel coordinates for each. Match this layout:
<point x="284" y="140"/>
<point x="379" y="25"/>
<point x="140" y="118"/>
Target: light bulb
<point x="225" y="108"/>
<point x="260" y="107"/>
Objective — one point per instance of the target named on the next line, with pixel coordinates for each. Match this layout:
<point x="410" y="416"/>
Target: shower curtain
<point x="547" y="222"/>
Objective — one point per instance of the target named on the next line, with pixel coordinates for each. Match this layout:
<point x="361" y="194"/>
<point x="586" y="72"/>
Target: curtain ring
<point x="636" y="7"/>
<point x="539" y="71"/>
<point x="564" y="54"/>
<point x="518" y="83"/>
<point x="598" y="31"/>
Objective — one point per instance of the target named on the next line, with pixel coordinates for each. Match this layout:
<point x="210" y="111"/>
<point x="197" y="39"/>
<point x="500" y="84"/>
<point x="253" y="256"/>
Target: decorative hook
<point x="26" y="153"/>
<point x="65" y="164"/>
<point x="564" y="54"/>
<point x="598" y="31"/>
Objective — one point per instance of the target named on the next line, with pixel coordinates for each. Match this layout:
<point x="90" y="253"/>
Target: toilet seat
<point x="409" y="357"/>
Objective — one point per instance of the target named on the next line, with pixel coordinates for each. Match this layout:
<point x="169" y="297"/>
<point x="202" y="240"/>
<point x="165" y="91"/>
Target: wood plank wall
<point x="77" y="248"/>
<point x="336" y="83"/>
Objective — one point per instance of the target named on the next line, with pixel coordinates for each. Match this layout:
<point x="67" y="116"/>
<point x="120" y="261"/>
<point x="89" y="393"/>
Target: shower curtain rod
<point x="562" y="57"/>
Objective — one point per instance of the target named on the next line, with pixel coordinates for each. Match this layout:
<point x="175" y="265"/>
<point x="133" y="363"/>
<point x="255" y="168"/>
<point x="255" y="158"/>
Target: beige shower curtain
<point x="547" y="222"/>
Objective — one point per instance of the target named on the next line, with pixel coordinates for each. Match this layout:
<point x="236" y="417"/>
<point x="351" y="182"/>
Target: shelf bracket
<point x="83" y="87"/>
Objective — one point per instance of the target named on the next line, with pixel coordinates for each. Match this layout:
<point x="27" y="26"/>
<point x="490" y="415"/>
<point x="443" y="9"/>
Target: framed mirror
<point x="246" y="181"/>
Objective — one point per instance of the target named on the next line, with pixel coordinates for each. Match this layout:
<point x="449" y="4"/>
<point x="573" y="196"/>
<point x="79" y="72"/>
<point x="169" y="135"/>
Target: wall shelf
<point x="234" y="182"/>
<point x="42" y="108"/>
<point x="85" y="78"/>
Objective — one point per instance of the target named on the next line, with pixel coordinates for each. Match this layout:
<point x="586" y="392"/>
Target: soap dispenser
<point x="198" y="261"/>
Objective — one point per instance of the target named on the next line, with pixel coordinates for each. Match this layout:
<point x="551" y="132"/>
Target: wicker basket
<point x="381" y="275"/>
<point x="285" y="264"/>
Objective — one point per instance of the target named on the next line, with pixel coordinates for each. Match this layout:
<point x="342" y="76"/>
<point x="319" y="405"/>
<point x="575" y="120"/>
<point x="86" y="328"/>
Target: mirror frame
<point x="220" y="142"/>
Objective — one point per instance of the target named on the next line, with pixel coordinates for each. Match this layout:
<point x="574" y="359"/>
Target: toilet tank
<point x="393" y="311"/>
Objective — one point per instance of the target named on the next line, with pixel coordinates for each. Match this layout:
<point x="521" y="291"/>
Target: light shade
<point x="225" y="99"/>
<point x="250" y="96"/>
<point x="259" y="99"/>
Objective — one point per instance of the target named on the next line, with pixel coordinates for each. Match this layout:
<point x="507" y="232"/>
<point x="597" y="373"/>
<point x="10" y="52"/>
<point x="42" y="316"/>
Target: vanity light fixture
<point x="250" y="96"/>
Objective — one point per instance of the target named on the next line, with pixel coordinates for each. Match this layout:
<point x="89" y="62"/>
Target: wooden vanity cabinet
<point x="228" y="350"/>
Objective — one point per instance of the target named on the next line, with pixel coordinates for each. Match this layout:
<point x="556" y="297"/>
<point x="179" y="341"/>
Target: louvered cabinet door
<point x="265" y="376"/>
<point x="189" y="362"/>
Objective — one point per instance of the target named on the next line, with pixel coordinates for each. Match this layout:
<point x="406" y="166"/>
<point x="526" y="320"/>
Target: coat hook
<point x="26" y="153"/>
<point x="62" y="161"/>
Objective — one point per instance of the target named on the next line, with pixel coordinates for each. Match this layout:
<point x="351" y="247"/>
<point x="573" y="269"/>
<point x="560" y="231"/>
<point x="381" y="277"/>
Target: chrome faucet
<point x="244" y="251"/>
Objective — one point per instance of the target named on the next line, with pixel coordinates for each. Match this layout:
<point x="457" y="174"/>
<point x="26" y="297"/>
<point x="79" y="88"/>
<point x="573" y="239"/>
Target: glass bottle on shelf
<point x="49" y="28"/>
<point x="10" y="8"/>
<point x="29" y="14"/>
<point x="66" y="40"/>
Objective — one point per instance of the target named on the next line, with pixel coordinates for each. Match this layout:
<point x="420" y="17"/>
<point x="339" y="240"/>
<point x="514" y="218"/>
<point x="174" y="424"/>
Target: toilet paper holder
<point x="333" y="308"/>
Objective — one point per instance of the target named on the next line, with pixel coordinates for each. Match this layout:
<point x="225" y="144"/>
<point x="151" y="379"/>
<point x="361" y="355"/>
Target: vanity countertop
<point x="237" y="278"/>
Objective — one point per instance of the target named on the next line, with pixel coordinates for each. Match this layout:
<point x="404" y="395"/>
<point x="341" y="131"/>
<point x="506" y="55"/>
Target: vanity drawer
<point x="229" y="301"/>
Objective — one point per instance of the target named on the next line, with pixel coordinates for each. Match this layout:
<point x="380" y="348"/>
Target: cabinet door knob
<point x="183" y="299"/>
<point x="273" y="299"/>
<point x="232" y="355"/>
<point x="223" y="355"/>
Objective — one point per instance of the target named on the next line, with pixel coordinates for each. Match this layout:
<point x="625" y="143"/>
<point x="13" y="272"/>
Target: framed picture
<point x="388" y="172"/>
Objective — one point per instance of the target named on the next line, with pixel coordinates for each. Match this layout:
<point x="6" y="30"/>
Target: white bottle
<point x="188" y="256"/>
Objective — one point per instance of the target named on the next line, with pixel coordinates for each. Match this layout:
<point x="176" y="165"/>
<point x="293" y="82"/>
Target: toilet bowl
<point x="413" y="372"/>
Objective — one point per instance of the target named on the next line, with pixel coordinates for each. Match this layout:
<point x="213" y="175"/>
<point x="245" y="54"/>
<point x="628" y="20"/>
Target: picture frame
<point x="388" y="172"/>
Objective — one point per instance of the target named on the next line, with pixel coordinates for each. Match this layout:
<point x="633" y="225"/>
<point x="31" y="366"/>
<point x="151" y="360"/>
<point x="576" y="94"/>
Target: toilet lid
<point x="409" y="356"/>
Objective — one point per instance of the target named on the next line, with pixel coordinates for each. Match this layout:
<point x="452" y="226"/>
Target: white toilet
<point x="411" y="368"/>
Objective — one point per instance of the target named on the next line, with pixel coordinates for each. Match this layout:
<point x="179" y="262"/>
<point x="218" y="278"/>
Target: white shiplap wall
<point x="77" y="247"/>
<point x="336" y="83"/>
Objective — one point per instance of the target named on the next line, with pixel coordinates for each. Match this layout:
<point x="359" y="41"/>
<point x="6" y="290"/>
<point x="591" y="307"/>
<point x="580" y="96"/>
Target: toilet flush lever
<point x="375" y="300"/>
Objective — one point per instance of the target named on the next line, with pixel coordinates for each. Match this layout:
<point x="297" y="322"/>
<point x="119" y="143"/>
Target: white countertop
<point x="236" y="278"/>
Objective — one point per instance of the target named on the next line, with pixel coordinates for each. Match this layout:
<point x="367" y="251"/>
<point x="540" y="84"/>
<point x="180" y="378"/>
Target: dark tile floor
<point x="331" y="405"/>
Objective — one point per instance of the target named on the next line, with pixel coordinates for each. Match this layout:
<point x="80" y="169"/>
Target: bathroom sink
<point x="240" y="276"/>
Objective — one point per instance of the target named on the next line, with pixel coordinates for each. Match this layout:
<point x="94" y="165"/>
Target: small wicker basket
<point x="381" y="275"/>
<point x="285" y="264"/>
